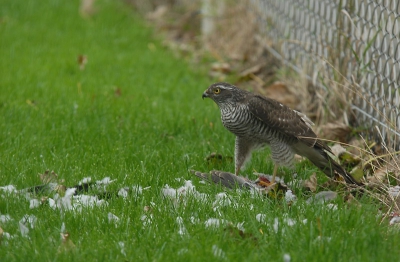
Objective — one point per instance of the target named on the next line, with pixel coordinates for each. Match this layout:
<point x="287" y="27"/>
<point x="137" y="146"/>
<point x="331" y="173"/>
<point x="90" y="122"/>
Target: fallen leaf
<point x="336" y="131"/>
<point x="82" y="61"/>
<point x="311" y="183"/>
<point x="221" y="67"/>
<point x="66" y="243"/>
<point x="280" y="92"/>
<point x="48" y="177"/>
<point x="379" y="178"/>
<point x="158" y="13"/>
<point x="251" y="71"/>
<point x="337" y="149"/>
<point x="350" y="199"/>
<point x="235" y="232"/>
<point x="1" y="235"/>
<point x="86" y="8"/>
<point x="117" y="92"/>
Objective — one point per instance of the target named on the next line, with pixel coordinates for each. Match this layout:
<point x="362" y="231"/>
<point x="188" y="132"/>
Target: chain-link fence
<point x="357" y="40"/>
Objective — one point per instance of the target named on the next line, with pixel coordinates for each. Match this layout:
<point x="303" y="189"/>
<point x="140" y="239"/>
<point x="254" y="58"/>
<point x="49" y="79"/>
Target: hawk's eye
<point x="217" y="91"/>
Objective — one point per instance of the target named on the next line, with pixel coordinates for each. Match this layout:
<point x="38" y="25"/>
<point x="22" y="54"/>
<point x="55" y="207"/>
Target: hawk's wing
<point x="284" y="120"/>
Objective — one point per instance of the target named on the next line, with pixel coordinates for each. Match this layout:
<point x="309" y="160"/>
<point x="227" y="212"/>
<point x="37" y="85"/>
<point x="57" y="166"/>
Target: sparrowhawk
<point x="259" y="121"/>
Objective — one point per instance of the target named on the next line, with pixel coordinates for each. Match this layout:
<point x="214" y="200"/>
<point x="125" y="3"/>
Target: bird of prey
<point x="259" y="121"/>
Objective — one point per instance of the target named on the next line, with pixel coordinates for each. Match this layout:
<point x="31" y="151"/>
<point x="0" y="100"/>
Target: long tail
<point x="332" y="169"/>
<point x="321" y="159"/>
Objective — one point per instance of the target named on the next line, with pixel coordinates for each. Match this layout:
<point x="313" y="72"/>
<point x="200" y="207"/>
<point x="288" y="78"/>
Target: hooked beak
<point x="204" y="95"/>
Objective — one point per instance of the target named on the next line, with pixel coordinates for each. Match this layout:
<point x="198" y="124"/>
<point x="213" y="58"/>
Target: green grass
<point x="54" y="116"/>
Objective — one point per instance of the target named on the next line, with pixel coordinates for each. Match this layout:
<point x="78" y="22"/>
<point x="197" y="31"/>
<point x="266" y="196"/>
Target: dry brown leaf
<point x="60" y="189"/>
<point x="235" y="232"/>
<point x="227" y="37"/>
<point x="347" y="159"/>
<point x="86" y="8"/>
<point x="311" y="183"/>
<point x="48" y="177"/>
<point x="350" y="199"/>
<point x="356" y="145"/>
<point x="336" y="131"/>
<point x="280" y="92"/>
<point x="337" y="149"/>
<point x="386" y="172"/>
<point x="1" y="235"/>
<point x="66" y="243"/>
<point x="117" y="92"/>
<point x="220" y="67"/>
<point x="379" y="178"/>
<point x="251" y="71"/>
<point x="158" y="13"/>
<point x="82" y="61"/>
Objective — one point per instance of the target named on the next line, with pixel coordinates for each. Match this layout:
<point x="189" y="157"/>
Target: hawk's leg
<point x="243" y="149"/>
<point x="274" y="173"/>
<point x="282" y="155"/>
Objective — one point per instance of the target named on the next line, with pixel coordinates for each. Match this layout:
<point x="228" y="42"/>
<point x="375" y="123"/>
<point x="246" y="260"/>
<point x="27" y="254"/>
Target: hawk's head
<point x="223" y="93"/>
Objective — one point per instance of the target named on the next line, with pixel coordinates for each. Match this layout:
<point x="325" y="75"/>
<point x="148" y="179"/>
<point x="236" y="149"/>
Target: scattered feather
<point x="331" y="206"/>
<point x="123" y="192"/>
<point x="194" y="220"/>
<point x="221" y="200"/>
<point x="34" y="203"/>
<point x="62" y="229"/>
<point x="180" y="195"/>
<point x="394" y="191"/>
<point x="261" y="217"/>
<point x="290" y="197"/>
<point x="113" y="219"/>
<point x="183" y="251"/>
<point x="122" y="247"/>
<point x="28" y="221"/>
<point x="5" y="218"/>
<point x="290" y="222"/>
<point x="105" y="181"/>
<point x="218" y="253"/>
<point x="85" y="180"/>
<point x="9" y="189"/>
<point x="275" y="226"/>
<point x="215" y="222"/>
<point x="323" y="239"/>
<point x="182" y="229"/>
<point x="137" y="190"/>
<point x="395" y="218"/>
<point x="147" y="219"/>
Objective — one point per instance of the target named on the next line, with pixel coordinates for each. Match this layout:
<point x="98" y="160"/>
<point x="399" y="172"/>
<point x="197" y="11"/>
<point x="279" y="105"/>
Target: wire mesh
<point x="358" y="39"/>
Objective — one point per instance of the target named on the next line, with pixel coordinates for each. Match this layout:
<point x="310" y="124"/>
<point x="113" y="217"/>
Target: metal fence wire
<point x="358" y="38"/>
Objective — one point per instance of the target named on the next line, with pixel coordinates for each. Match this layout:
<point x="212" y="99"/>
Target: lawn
<point x="134" y="113"/>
